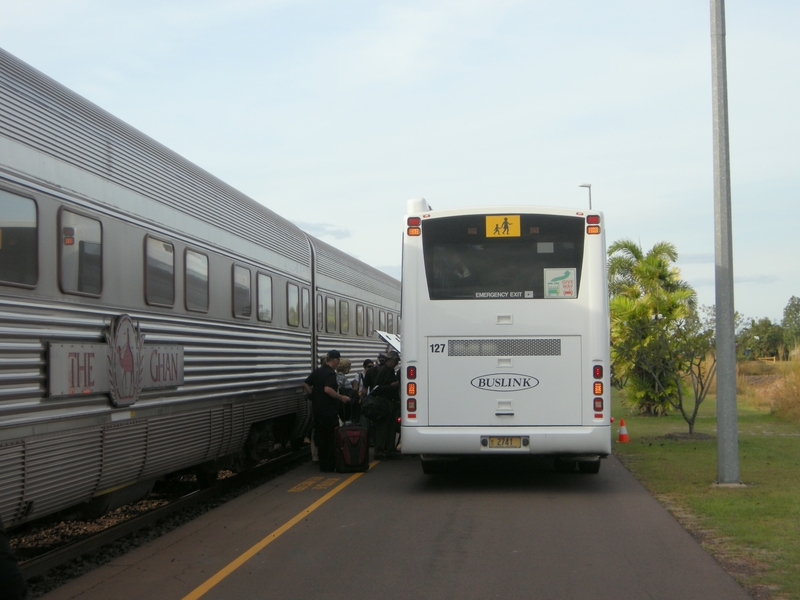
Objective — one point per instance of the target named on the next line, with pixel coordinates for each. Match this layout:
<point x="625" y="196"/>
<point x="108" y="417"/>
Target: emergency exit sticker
<point x="502" y="226"/>
<point x="559" y="283"/>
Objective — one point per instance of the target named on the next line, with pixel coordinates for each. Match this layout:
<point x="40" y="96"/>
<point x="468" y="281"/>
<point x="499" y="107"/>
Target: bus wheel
<point x="564" y="466"/>
<point x="589" y="466"/>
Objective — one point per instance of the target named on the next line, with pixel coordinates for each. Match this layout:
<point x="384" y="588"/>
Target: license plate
<point x="505" y="442"/>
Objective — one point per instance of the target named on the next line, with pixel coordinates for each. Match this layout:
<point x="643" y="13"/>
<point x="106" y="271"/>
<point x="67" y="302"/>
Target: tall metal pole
<point x="727" y="414"/>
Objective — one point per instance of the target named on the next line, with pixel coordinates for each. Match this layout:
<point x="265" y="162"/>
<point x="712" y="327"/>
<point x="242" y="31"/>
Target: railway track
<point x="53" y="568"/>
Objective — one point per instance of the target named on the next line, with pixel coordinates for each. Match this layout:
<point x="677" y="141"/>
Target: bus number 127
<point x="437" y="348"/>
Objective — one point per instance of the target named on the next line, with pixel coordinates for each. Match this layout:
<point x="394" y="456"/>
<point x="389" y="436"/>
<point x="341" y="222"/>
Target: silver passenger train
<point x="152" y="318"/>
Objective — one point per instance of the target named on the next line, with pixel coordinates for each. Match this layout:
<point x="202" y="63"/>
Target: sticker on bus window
<point x="559" y="283"/>
<point x="502" y="226"/>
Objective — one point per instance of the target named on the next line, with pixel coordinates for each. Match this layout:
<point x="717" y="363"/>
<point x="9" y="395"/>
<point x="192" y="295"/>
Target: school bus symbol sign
<point x="502" y="226"/>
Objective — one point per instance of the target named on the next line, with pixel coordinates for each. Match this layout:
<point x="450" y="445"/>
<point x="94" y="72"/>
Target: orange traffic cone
<point x="623" y="432"/>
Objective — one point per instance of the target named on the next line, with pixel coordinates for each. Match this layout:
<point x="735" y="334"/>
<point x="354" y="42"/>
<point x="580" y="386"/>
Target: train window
<point x="344" y="316"/>
<point x="292" y="304"/>
<point x="330" y="311"/>
<point x="196" y="281"/>
<point x="390" y="323"/>
<point x="381" y="321"/>
<point x="359" y="319"/>
<point x="160" y="273"/>
<point x="370" y="321"/>
<point x="19" y="257"/>
<point x="242" y="305"/>
<point x="306" y="306"/>
<point x="397" y="330"/>
<point x="320" y="313"/>
<point x="264" y="291"/>
<point x="80" y="250"/>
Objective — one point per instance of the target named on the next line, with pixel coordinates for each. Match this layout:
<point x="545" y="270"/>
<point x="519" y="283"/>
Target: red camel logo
<point x="125" y="361"/>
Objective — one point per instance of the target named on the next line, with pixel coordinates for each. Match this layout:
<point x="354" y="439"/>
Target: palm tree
<point x="648" y="301"/>
<point x="634" y="274"/>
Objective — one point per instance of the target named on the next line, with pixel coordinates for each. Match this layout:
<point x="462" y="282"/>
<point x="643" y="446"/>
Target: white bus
<point x="505" y="335"/>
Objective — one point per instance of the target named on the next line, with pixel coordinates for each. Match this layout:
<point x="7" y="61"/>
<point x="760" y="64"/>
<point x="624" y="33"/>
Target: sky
<point x="334" y="114"/>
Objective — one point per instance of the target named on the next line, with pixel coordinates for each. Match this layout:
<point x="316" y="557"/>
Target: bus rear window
<point x="501" y="257"/>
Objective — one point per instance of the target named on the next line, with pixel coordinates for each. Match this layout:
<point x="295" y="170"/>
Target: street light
<point x="589" y="186"/>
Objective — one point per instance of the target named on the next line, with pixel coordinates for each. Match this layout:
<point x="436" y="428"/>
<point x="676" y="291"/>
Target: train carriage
<point x="152" y="318"/>
<point x="352" y="303"/>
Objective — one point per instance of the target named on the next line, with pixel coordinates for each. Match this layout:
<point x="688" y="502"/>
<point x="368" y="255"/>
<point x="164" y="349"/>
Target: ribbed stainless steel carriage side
<point x="59" y="451"/>
<point x="350" y="278"/>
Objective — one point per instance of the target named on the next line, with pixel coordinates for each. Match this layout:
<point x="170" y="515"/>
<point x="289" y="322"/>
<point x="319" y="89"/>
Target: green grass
<point x="753" y="531"/>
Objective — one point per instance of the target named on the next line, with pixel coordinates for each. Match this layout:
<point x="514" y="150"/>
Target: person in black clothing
<point x="362" y="378"/>
<point x="371" y="373"/>
<point x="387" y="385"/>
<point x="12" y="585"/>
<point x="368" y="382"/>
<point x="325" y="398"/>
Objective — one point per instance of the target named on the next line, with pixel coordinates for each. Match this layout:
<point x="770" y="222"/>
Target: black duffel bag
<point x="376" y="408"/>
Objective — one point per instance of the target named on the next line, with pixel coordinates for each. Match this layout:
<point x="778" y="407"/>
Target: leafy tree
<point x="642" y="358"/>
<point x="694" y="348"/>
<point x="760" y="339"/>
<point x="710" y="317"/>
<point x="649" y="302"/>
<point x="791" y="323"/>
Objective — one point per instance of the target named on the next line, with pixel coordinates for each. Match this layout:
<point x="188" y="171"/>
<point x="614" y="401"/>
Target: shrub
<point x="751" y="368"/>
<point x="784" y="394"/>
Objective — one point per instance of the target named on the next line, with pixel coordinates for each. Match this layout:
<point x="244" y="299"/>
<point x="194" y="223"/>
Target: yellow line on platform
<point x="230" y="568"/>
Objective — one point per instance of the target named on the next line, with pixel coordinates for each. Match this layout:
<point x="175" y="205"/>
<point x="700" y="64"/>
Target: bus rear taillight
<point x="597" y="389"/>
<point x="411" y="388"/>
<point x="411" y="405"/>
<point x="593" y="219"/>
<point x="593" y="229"/>
<point x="411" y="372"/>
<point x="414" y="226"/>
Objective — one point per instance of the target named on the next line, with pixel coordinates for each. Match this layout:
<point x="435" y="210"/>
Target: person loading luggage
<point x="325" y="398"/>
<point x="348" y="413"/>
<point x="387" y="385"/>
<point x="362" y="382"/>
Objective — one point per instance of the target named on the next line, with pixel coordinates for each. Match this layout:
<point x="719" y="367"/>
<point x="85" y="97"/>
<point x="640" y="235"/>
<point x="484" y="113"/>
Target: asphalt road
<point x="487" y="530"/>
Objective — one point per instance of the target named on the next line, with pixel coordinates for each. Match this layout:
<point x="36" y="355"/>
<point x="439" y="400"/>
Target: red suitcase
<point x="352" y="449"/>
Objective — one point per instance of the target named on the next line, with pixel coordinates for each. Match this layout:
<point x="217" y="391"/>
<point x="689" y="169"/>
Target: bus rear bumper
<point x="562" y="441"/>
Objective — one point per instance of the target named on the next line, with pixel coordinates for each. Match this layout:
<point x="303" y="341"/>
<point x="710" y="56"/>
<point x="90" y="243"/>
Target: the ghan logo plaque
<point x="125" y="361"/>
<point x="122" y="367"/>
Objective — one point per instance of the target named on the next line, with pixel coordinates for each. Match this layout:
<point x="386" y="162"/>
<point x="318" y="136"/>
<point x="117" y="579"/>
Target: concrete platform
<point x="487" y="531"/>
